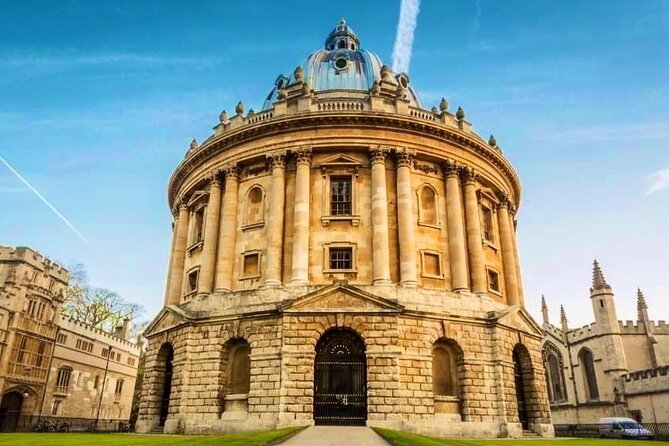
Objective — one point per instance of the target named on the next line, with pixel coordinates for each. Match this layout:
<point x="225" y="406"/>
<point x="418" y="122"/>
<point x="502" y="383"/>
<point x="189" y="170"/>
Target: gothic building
<point x="344" y="256"/>
<point x="53" y="367"/>
<point x="607" y="368"/>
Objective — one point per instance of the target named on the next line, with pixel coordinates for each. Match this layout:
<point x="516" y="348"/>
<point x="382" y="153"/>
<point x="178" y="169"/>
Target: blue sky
<point x="99" y="100"/>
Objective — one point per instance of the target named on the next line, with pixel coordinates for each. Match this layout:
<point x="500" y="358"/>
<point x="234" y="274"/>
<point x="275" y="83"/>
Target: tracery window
<point x="589" y="374"/>
<point x="555" y="382"/>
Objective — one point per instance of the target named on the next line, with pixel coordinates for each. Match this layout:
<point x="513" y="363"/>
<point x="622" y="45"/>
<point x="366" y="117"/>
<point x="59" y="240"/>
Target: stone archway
<point x="10" y="411"/>
<point x="165" y="359"/>
<point x="340" y="379"/>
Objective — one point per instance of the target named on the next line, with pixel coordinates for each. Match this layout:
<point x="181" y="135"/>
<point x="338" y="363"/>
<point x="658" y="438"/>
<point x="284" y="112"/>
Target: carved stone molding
<point x="427" y="168"/>
<point x="404" y="157"/>
<point x="303" y="155"/>
<point x="277" y="159"/>
<point x="504" y="200"/>
<point x="231" y="171"/>
<point x="213" y="178"/>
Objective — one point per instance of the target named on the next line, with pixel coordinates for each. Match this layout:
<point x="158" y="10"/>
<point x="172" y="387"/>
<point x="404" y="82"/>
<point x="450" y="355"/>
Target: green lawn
<point x="397" y="438"/>
<point x="102" y="439"/>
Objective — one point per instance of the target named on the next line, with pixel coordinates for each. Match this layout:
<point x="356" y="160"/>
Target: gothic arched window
<point x="589" y="375"/>
<point x="555" y="382"/>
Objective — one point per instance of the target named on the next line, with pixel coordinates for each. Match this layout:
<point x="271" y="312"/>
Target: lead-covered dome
<point x="341" y="65"/>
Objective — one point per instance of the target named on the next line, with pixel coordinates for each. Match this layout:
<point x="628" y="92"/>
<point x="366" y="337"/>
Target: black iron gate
<point x="340" y="374"/>
<point x="520" y="390"/>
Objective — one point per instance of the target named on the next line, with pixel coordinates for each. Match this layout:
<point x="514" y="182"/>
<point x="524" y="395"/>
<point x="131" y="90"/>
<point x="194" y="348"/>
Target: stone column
<point x="301" y="218"/>
<point x="474" y="241"/>
<point x="211" y="227"/>
<point x="178" y="256"/>
<point x="405" y="220"/>
<point x="227" y="229"/>
<point x="456" y="234"/>
<point x="508" y="257"/>
<point x="171" y="259"/>
<point x="514" y="236"/>
<point x="380" y="244"/>
<point x="275" y="220"/>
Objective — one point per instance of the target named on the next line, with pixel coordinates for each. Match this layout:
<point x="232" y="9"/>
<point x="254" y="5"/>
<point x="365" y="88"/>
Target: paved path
<point x="336" y="436"/>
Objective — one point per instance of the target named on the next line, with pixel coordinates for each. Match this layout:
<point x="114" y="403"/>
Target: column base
<point x="409" y="284"/>
<point x="460" y="290"/>
<point x="222" y="290"/>
<point x="272" y="283"/>
<point x="298" y="283"/>
<point x="381" y="282"/>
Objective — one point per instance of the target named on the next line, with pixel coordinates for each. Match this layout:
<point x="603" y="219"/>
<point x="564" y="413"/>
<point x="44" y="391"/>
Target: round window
<point x="403" y="82"/>
<point x="341" y="63"/>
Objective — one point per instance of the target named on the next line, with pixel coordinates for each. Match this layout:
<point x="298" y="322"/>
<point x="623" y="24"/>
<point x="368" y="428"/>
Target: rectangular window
<point x="487" y="224"/>
<point x="251" y="265"/>
<point x="131" y="361"/>
<point x="105" y="352"/>
<point x="340" y="196"/>
<point x="61" y="338"/>
<point x="341" y="258"/>
<point x="198" y="226"/>
<point x="63" y="380"/>
<point x="96" y="383"/>
<point x="55" y="408"/>
<point x="119" y="387"/>
<point x="493" y="281"/>
<point x="191" y="285"/>
<point x="84" y="346"/>
<point x="431" y="264"/>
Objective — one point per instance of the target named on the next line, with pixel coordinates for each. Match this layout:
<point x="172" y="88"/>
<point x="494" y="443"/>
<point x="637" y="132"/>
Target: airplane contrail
<point x="44" y="200"/>
<point x="404" y="37"/>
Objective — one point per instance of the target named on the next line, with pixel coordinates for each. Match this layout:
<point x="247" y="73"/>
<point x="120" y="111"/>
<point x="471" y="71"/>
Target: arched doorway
<point x="165" y="356"/>
<point x="340" y="379"/>
<point x="520" y="371"/>
<point x="10" y="411"/>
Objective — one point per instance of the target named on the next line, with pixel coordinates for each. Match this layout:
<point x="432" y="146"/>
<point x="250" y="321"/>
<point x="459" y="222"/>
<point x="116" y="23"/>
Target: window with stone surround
<point x="488" y="228"/>
<point x="197" y="226"/>
<point x="236" y="367"/>
<point x="63" y="379"/>
<point x="431" y="264"/>
<point x="587" y="364"/>
<point x="428" y="214"/>
<point x="250" y="268"/>
<point x="255" y="208"/>
<point x="84" y="346"/>
<point x="340" y="189"/>
<point x="493" y="281"/>
<point x="191" y="282"/>
<point x="340" y="257"/>
<point x="55" y="406"/>
<point x="444" y="375"/>
<point x="61" y="338"/>
<point x="554" y="369"/>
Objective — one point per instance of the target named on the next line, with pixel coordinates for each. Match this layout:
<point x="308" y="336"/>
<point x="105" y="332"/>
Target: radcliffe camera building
<point x="345" y="256"/>
<point x="53" y="367"/>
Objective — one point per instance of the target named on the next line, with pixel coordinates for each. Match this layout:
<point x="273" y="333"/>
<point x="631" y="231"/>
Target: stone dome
<point x="341" y="65"/>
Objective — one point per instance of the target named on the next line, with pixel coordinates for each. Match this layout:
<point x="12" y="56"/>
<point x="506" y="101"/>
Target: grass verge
<point x="263" y="438"/>
<point x="397" y="438"/>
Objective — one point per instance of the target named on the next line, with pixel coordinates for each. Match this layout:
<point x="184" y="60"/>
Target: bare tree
<point x="98" y="307"/>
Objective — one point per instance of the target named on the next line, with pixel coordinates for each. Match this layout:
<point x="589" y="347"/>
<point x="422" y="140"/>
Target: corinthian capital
<point x="404" y="157"/>
<point x="450" y="168"/>
<point x="504" y="200"/>
<point x="231" y="172"/>
<point x="213" y="178"/>
<point x="378" y="154"/>
<point x="277" y="158"/>
<point x="303" y="155"/>
<point x="469" y="175"/>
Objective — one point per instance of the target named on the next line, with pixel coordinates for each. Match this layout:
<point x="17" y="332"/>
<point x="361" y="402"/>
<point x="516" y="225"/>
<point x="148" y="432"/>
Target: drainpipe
<point x="573" y="375"/>
<point x="102" y="390"/>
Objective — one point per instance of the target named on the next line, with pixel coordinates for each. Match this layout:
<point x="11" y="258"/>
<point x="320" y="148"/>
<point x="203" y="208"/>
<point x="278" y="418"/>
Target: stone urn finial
<point x="443" y="105"/>
<point x="434" y="110"/>
<point x="223" y="117"/>
<point x="239" y="109"/>
<point x="492" y="141"/>
<point x="283" y="94"/>
<point x="386" y="74"/>
<point x="305" y="89"/>
<point x="460" y="114"/>
<point x="299" y="74"/>
<point x="193" y="144"/>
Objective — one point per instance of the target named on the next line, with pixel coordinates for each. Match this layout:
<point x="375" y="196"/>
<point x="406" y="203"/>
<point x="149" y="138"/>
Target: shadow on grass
<point x="262" y="438"/>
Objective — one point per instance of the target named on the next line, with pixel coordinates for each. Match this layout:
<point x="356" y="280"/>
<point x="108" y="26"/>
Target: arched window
<point x="427" y="199"/>
<point x="555" y="382"/>
<point x="254" y="206"/>
<point x="589" y="375"/>
<point x="444" y="375"/>
<point x="239" y="369"/>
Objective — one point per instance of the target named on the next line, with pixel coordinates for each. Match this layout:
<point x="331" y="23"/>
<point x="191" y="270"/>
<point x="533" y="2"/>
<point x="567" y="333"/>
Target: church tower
<point x="606" y="322"/>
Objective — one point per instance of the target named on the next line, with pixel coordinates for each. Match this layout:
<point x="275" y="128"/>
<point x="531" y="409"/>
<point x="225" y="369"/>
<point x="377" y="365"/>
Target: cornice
<point x="291" y="123"/>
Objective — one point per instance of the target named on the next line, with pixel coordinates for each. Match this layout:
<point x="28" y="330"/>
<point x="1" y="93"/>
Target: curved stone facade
<point x="349" y="209"/>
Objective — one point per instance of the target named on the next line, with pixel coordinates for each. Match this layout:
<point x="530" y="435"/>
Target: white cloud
<point x="657" y="181"/>
<point x="404" y="37"/>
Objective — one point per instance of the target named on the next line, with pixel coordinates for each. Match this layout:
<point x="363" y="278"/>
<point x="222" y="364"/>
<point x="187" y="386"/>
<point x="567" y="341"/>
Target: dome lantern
<point x="342" y="37"/>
